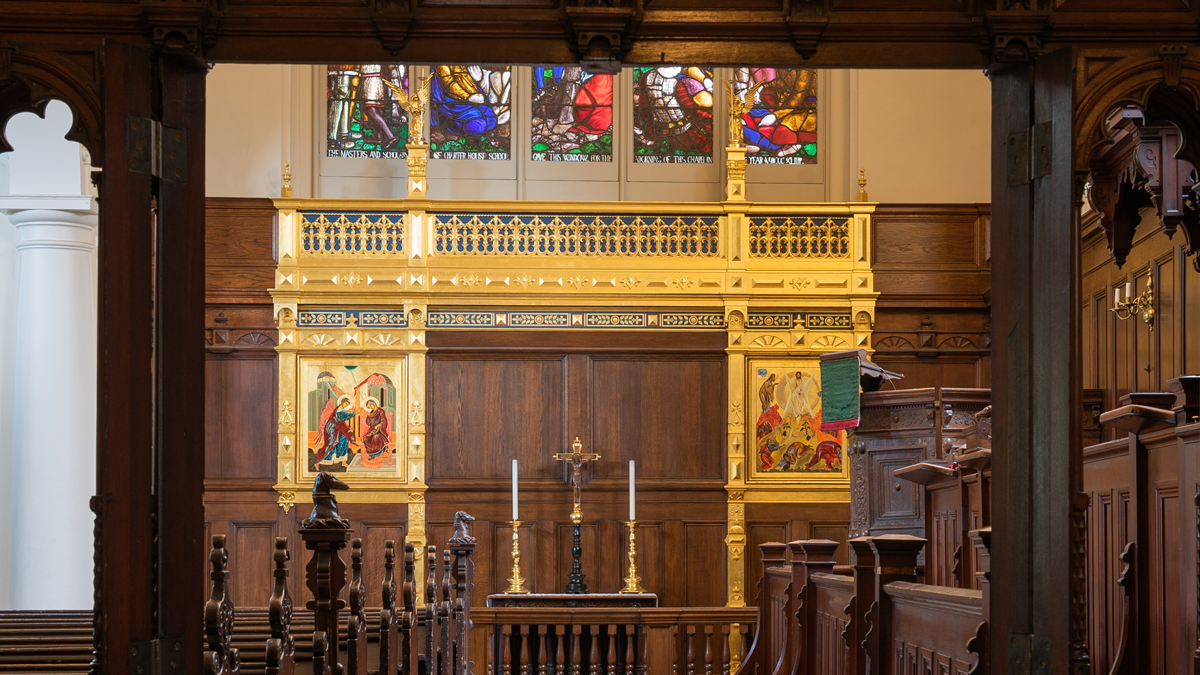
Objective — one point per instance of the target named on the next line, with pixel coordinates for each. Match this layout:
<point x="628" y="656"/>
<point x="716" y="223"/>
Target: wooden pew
<point x="45" y="641"/>
<point x="880" y="620"/>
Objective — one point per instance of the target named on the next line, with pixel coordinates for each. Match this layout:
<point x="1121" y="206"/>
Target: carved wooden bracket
<point x="1118" y="199"/>
<point x="601" y="32"/>
<point x="181" y="27"/>
<point x="807" y="22"/>
<point x="1015" y="29"/>
<point x="392" y="19"/>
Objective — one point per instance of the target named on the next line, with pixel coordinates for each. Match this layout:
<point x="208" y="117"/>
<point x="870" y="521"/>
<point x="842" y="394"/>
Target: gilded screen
<point x="365" y="118"/>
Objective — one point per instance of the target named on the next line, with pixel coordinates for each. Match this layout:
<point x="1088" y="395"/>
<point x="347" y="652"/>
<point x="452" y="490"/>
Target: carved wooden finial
<point x="862" y="184"/>
<point x="286" y="191"/>
<point x="281" y="646"/>
<point x="221" y="658"/>
<point x="389" y="629"/>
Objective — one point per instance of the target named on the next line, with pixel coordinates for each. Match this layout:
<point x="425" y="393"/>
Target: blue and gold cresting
<point x="340" y="318"/>
<point x="799" y="236"/>
<point x="575" y="319"/>
<point x="806" y="320"/>
<point x="591" y="235"/>
<point x="352" y="233"/>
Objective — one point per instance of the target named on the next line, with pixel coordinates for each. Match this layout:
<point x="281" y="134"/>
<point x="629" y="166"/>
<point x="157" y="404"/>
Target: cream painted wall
<point x="258" y="118"/>
<point x="922" y="135"/>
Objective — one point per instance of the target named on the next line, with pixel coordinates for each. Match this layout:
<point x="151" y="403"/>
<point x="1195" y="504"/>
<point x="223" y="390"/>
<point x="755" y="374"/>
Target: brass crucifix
<point x="577" y="457"/>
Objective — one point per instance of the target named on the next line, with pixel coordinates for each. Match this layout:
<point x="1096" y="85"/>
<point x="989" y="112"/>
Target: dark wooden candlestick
<point x="575" y="583"/>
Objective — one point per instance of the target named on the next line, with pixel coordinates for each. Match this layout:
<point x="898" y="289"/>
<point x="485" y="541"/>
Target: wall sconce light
<point x="1143" y="304"/>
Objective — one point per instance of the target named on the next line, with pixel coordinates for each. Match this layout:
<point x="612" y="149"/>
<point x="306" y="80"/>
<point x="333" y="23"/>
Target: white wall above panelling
<point x="922" y="135"/>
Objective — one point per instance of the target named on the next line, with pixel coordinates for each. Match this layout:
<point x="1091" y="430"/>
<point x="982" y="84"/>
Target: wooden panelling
<point x="495" y="397"/>
<point x="672" y="408"/>
<point x="1110" y="523"/>
<point x="485" y="413"/>
<point x="933" y="272"/>
<point x="237" y="442"/>
<point x="1125" y="355"/>
<point x="239" y="244"/>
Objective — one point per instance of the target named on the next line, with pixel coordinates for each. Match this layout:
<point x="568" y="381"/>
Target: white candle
<point x="632" y="511"/>
<point x="1116" y="296"/>
<point x="515" y="490"/>
<point x="1128" y="289"/>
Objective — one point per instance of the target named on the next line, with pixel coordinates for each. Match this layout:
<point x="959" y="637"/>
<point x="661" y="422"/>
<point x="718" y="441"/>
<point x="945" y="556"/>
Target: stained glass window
<point x="672" y="114"/>
<point x="469" y="112"/>
<point x="365" y="118"/>
<point x="572" y="118"/>
<point x="781" y="125"/>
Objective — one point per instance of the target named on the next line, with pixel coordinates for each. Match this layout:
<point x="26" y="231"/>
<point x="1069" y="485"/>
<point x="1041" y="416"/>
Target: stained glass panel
<point x="672" y="114"/>
<point x="469" y="112"/>
<point x="572" y="117"/>
<point x="365" y="118"/>
<point x="781" y="125"/>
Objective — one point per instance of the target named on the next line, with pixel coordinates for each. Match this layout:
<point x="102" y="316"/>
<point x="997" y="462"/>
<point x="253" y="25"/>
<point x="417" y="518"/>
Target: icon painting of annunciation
<point x="353" y="417"/>
<point x="788" y="441"/>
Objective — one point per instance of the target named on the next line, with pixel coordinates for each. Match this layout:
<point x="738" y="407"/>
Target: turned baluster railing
<point x="613" y="641"/>
<point x="403" y="643"/>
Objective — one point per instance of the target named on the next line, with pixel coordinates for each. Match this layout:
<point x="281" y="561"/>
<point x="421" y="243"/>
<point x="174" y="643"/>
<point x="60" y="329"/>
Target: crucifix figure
<point x="577" y="458"/>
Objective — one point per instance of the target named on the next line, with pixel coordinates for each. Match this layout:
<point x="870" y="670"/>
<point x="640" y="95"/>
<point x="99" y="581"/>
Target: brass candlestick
<point x="633" y="582"/>
<point x="1142" y="304"/>
<point x="516" y="583"/>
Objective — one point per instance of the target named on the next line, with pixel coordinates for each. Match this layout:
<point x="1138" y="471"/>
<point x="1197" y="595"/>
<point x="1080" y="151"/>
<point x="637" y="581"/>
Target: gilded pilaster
<point x="287" y="438"/>
<point x="735" y="538"/>
<point x="415" y="422"/>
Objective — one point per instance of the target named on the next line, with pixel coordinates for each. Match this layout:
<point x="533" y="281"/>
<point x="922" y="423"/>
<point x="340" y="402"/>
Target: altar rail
<point x="614" y="641"/>
<point x="877" y="620"/>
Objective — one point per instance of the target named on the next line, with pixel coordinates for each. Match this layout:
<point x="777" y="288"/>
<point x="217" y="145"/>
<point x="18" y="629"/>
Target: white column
<point x="54" y="401"/>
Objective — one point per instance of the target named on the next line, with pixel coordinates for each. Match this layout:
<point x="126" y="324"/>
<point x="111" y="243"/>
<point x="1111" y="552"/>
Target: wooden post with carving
<point x="462" y="545"/>
<point x="410" y="649"/>
<point x="221" y="658"/>
<point x="281" y="651"/>
<point x="895" y="560"/>
<point x="758" y="659"/>
<point x="326" y="534"/>
<point x="389" y="618"/>
<point x="431" y="611"/>
<point x="862" y="561"/>
<point x="809" y="557"/>
<point x="356" y="626"/>
<point x="445" y="625"/>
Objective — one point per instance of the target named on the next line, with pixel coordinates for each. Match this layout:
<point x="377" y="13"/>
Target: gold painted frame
<point x="783" y="418"/>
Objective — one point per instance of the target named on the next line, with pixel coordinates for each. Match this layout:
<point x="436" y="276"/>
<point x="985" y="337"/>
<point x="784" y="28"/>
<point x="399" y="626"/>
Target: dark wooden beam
<point x="179" y="359"/>
<point x="125" y="424"/>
